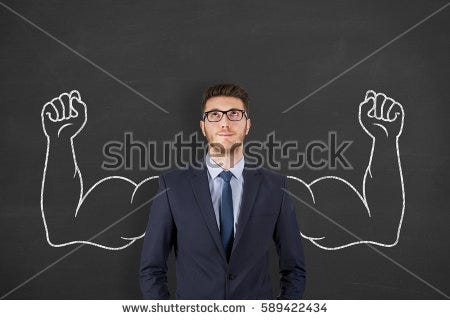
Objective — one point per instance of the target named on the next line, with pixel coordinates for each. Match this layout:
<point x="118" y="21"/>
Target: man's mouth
<point x="225" y="134"/>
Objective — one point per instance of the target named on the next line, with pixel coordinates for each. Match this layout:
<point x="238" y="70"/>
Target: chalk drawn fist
<point x="381" y="116"/>
<point x="64" y="116"/>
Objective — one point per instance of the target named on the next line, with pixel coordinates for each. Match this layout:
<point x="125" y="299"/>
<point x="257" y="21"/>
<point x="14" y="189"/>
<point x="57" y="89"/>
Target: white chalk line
<point x="382" y="127"/>
<point x="84" y="58"/>
<point x="62" y="127"/>
<point x="326" y="84"/>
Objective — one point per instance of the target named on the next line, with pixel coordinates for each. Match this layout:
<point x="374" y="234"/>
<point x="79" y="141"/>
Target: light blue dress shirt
<point x="215" y="187"/>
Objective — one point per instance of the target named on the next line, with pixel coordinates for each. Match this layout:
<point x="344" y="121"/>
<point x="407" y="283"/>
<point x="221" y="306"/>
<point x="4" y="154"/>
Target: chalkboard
<point x="140" y="70"/>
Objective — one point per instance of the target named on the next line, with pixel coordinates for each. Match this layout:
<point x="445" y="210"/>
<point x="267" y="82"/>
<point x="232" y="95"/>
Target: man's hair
<point x="227" y="90"/>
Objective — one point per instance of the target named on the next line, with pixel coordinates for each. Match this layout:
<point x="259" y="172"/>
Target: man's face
<point x="227" y="133"/>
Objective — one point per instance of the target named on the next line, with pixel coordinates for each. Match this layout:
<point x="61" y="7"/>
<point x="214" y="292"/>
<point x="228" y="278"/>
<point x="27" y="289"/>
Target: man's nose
<point x="225" y="122"/>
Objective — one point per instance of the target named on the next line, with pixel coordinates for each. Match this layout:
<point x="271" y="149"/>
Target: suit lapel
<point x="200" y="186"/>
<point x="252" y="182"/>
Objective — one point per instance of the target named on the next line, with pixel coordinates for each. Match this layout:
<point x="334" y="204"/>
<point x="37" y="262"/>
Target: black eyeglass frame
<point x="243" y="112"/>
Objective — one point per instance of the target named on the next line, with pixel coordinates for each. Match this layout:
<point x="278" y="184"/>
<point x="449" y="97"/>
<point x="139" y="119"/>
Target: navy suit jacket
<point x="183" y="218"/>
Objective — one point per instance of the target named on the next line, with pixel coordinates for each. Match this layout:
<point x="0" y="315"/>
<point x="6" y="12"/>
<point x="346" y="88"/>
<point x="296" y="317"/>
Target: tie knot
<point x="226" y="175"/>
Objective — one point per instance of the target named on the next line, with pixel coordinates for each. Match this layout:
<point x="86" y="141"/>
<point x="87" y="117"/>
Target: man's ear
<point x="202" y="127"/>
<point x="248" y="126"/>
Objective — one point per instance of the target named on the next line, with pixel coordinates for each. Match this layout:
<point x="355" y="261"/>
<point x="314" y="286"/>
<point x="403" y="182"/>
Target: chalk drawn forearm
<point x="382" y="118"/>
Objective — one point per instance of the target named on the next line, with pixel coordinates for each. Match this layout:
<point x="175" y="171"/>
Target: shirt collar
<point x="215" y="169"/>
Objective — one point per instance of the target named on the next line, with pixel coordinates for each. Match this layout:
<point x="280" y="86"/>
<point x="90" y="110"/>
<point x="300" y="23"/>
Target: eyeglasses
<point x="217" y="115"/>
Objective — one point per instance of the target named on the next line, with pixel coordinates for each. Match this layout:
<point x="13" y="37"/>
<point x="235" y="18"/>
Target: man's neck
<point x="227" y="160"/>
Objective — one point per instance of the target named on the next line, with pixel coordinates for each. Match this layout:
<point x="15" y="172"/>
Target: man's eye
<point x="214" y="114"/>
<point x="234" y="113"/>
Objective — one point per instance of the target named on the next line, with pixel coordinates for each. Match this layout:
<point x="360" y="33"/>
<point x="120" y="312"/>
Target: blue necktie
<point x="226" y="214"/>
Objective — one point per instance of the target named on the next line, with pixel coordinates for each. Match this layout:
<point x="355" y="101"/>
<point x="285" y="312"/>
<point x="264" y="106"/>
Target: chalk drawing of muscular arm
<point x="372" y="213"/>
<point x="72" y="215"/>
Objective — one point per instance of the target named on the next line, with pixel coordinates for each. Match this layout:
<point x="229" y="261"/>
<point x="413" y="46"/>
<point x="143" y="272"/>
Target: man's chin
<point x="226" y="147"/>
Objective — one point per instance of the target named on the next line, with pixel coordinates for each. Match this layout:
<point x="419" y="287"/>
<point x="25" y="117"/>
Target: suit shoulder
<point x="175" y="175"/>
<point x="273" y="176"/>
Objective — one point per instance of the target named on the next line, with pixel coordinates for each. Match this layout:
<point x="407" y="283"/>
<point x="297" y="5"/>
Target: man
<point x="221" y="219"/>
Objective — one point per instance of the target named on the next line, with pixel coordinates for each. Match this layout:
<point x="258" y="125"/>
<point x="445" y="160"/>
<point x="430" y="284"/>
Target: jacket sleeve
<point x="290" y="250"/>
<point x="158" y="242"/>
